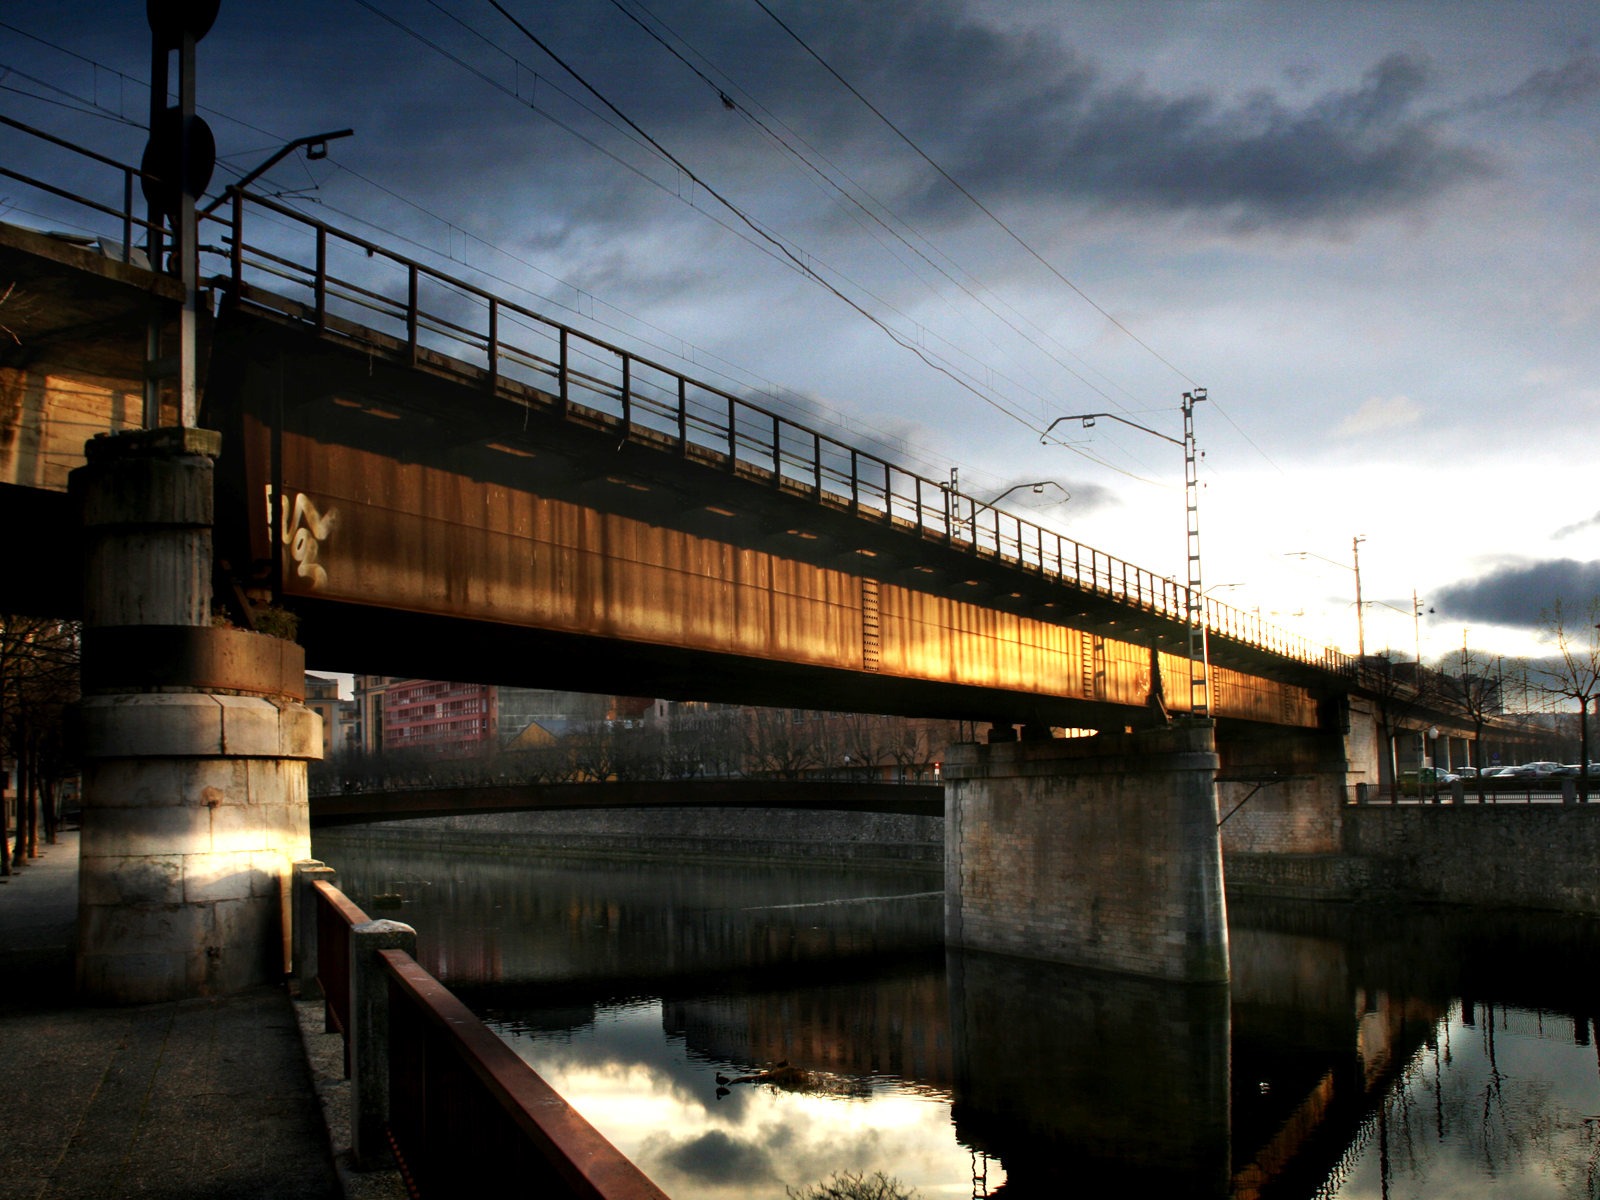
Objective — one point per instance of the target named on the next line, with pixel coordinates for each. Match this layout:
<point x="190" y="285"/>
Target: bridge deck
<point x="873" y="587"/>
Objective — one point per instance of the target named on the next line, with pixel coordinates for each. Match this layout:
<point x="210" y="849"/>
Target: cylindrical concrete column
<point x="195" y="739"/>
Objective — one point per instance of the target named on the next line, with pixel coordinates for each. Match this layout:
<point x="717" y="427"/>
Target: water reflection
<point x="1357" y="1054"/>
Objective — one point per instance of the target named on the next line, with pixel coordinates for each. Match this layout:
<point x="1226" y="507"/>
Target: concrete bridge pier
<point x="195" y="738"/>
<point x="1097" y="852"/>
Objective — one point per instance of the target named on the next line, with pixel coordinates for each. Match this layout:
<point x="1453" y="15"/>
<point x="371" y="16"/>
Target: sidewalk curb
<point x="325" y="1057"/>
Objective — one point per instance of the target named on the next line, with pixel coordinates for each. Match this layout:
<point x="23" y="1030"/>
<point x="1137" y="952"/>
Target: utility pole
<point x="177" y="165"/>
<point x="1194" y="602"/>
<point x="1361" y="623"/>
<point x="1199" y="645"/>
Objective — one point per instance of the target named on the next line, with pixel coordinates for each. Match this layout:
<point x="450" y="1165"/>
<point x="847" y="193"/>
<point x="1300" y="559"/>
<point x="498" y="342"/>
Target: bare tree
<point x="38" y="682"/>
<point x="1575" y="673"/>
<point x="1475" y="690"/>
<point x="867" y="742"/>
<point x="782" y="743"/>
<point x="1400" y="692"/>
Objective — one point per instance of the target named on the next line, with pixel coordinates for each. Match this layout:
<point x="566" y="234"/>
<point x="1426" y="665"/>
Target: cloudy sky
<point x="1371" y="232"/>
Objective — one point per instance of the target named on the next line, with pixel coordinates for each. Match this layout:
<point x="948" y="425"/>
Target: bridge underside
<point x="356" y="807"/>
<point x="438" y="529"/>
<point x="445" y="531"/>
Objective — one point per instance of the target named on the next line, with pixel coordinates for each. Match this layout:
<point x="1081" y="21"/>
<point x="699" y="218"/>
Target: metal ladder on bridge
<point x="1199" y="649"/>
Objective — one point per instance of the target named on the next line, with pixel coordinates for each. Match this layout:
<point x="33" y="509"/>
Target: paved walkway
<point x="207" y="1098"/>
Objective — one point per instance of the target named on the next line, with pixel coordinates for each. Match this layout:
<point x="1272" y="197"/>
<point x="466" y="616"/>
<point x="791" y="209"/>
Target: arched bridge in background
<point x="355" y="807"/>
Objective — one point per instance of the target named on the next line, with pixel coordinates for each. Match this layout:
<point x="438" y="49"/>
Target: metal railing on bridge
<point x="353" y="288"/>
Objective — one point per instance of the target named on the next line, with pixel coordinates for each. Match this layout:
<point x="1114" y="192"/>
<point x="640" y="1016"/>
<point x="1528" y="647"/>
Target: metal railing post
<point x="236" y="251"/>
<point x="683" y="417"/>
<point x="369" y="1038"/>
<point x="127" y="216"/>
<point x="561" y="380"/>
<point x="777" y="451"/>
<point x="322" y="282"/>
<point x="413" y="317"/>
<point x="493" y="345"/>
<point x="627" y="395"/>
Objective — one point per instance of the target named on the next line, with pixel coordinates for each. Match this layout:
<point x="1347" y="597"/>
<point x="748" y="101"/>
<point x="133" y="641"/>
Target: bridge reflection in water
<point x="1355" y="1054"/>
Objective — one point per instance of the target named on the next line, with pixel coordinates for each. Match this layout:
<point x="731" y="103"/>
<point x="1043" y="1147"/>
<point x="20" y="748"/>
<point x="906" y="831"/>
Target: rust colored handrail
<point x="469" y="1118"/>
<point x="336" y="913"/>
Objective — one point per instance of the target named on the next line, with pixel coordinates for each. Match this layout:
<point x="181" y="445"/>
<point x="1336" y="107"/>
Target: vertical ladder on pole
<point x="1199" y="650"/>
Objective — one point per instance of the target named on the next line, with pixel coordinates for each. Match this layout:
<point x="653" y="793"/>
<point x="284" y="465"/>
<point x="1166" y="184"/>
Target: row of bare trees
<point x="1474" y="685"/>
<point x="38" y="685"/>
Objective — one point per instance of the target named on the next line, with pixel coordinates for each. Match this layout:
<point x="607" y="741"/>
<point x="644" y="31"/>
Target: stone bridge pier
<point x="195" y="738"/>
<point x="1097" y="852"/>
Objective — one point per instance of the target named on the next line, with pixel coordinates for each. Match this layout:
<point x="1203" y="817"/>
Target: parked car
<point x="1541" y="767"/>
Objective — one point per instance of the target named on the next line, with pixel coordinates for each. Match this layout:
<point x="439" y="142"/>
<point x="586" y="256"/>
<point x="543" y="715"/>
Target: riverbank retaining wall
<point x="1543" y="856"/>
<point x="764" y="835"/>
<point x="1504" y="856"/>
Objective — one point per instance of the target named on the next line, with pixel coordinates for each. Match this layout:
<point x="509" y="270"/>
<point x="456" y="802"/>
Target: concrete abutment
<point x="195" y="739"/>
<point x="1098" y="852"/>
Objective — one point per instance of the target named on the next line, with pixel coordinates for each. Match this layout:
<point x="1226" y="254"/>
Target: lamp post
<point x="1194" y="600"/>
<point x="1355" y="556"/>
<point x="316" y="147"/>
<point x="1037" y="487"/>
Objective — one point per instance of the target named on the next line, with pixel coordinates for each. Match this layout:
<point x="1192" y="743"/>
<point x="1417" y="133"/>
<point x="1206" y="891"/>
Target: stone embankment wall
<point x="1514" y="856"/>
<point x="1543" y="856"/>
<point x="1507" y="856"/>
<point x="877" y="840"/>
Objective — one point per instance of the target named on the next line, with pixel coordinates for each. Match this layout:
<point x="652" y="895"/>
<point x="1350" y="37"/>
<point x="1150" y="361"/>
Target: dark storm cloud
<point x="1012" y="115"/>
<point x="716" y="1158"/>
<point x="1547" y="91"/>
<point x="1343" y="154"/>
<point x="1522" y="594"/>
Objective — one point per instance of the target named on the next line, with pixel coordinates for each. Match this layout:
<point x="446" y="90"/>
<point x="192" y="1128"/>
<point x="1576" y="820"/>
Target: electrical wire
<point x="977" y="203"/>
<point x="1011" y="233"/>
<point x="794" y="256"/>
<point x="775" y="246"/>
<point x="848" y="193"/>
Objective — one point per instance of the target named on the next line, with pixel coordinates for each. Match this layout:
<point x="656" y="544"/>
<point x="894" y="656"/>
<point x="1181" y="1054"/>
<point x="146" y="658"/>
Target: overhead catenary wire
<point x="771" y="243"/>
<point x="732" y="372"/>
<point x="760" y="230"/>
<point x="960" y="187"/>
<point x="1001" y="224"/>
<point x="827" y="176"/>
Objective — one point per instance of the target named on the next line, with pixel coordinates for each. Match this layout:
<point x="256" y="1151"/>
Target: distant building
<point x="366" y="733"/>
<point x="518" y="709"/>
<point x="427" y="716"/>
<point x="322" y="698"/>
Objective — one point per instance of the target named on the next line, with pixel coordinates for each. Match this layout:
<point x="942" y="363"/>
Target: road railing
<point x="432" y="1089"/>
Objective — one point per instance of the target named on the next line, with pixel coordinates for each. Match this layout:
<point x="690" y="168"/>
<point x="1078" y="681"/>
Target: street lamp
<point x="1037" y="487"/>
<point x="1194" y="601"/>
<point x="1355" y="555"/>
<point x="316" y="146"/>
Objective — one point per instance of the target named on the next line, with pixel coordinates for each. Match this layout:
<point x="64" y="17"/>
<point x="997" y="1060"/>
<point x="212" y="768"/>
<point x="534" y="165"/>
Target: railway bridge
<point x="429" y="479"/>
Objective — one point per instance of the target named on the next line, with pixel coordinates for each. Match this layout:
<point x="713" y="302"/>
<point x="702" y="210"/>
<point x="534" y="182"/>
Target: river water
<point x="742" y="1030"/>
